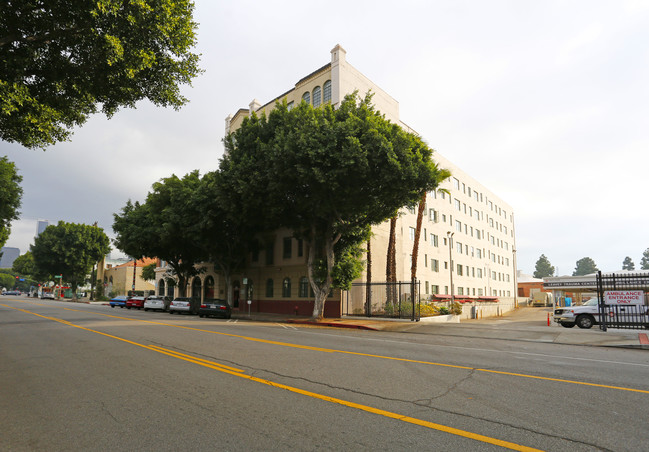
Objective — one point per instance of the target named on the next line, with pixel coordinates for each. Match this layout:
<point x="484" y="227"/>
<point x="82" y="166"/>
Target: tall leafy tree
<point x="164" y="227"/>
<point x="225" y="235"/>
<point x="327" y="174"/>
<point x="70" y="250"/>
<point x="644" y="262"/>
<point x="10" y="197"/>
<point x="63" y="61"/>
<point x="628" y="264"/>
<point x="543" y="267"/>
<point x="585" y="266"/>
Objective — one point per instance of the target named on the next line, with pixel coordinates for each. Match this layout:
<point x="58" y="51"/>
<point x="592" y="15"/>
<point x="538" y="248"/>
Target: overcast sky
<point x="546" y="103"/>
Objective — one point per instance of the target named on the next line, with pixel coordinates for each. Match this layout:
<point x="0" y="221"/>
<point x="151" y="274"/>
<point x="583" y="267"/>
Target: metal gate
<point x="383" y="299"/>
<point x="625" y="315"/>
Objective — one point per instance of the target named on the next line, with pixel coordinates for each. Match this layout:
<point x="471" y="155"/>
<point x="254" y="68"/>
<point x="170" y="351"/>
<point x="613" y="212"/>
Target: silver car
<point x="157" y="302"/>
<point x="182" y="304"/>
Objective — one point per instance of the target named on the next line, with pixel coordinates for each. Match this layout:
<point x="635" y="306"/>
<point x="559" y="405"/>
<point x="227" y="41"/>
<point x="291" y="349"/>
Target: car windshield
<point x="591" y="302"/>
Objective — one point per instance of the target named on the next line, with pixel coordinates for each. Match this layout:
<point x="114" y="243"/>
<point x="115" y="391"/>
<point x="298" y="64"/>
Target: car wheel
<point x="201" y="315"/>
<point x="171" y="312"/>
<point x="146" y="309"/>
<point x="121" y="307"/>
<point x="128" y="307"/>
<point x="567" y="325"/>
<point x="229" y="316"/>
<point x="585" y="321"/>
<point x="112" y="306"/>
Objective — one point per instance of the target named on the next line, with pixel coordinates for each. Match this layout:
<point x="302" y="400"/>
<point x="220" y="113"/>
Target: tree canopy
<point x="164" y="226"/>
<point x="644" y="262"/>
<point x="63" y="61"/>
<point x="628" y="264"/>
<point x="10" y="197"/>
<point x="326" y="174"/>
<point x="70" y="250"/>
<point x="585" y="266"/>
<point x="543" y="268"/>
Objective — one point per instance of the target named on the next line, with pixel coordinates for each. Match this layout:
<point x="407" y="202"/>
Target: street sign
<point x="58" y="276"/>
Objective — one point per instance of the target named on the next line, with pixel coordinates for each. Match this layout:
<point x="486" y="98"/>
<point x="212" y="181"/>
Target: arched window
<point x="326" y="91"/>
<point x="196" y="287"/>
<point x="269" y="288"/>
<point x="208" y="287"/>
<point x="161" y="287"/>
<point x="306" y="97"/>
<point x="317" y="96"/>
<point x="304" y="287"/>
<point x="286" y="288"/>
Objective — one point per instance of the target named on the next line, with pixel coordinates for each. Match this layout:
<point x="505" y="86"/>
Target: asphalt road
<point x="88" y="377"/>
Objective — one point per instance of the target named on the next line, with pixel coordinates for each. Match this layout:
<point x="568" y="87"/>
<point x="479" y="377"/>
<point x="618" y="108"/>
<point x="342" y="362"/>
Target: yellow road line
<point x="368" y="355"/>
<point x="237" y="373"/>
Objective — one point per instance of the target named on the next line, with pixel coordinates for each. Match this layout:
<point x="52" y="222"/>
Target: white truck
<point x="620" y="307"/>
<point x="541" y="299"/>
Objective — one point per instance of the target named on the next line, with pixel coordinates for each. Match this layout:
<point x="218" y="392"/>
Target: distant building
<point x="40" y="226"/>
<point x="118" y="279"/>
<point x="8" y="257"/>
<point x="528" y="285"/>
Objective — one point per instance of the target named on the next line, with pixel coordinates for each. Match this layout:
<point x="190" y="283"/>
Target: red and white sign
<point x="624" y="297"/>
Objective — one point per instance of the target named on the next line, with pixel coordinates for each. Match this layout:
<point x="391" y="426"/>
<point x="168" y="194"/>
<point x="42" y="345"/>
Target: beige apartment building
<point x="467" y="237"/>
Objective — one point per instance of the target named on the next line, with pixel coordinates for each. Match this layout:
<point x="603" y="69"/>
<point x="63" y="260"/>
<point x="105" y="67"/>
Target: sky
<point x="545" y="103"/>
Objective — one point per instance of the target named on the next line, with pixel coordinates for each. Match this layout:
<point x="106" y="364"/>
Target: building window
<point x="326" y="91"/>
<point x="434" y="263"/>
<point x="412" y="233"/>
<point x="479" y="292"/>
<point x="286" y="288"/>
<point x="425" y="260"/>
<point x="288" y="247"/>
<point x="300" y="248"/>
<point x="435" y="290"/>
<point x="306" y="97"/>
<point x="304" y="287"/>
<point x="460" y="290"/>
<point x="427" y="287"/>
<point x="434" y="240"/>
<point x="458" y="226"/>
<point x="458" y="247"/>
<point x="479" y="272"/>
<point x="269" y="288"/>
<point x="456" y="184"/>
<point x="290" y="105"/>
<point x="459" y="269"/>
<point x="270" y="253"/>
<point x="317" y="96"/>
<point x="458" y="205"/>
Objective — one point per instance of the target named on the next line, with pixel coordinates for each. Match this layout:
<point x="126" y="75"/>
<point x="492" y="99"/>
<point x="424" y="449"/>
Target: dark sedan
<point x="215" y="307"/>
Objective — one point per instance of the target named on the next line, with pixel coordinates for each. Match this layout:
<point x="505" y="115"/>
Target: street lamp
<point x="449" y="234"/>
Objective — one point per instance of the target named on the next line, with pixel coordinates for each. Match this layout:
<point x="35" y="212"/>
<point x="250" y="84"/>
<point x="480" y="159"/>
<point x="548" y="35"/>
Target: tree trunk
<point x="391" y="264"/>
<point x="368" y="283"/>
<point x="321" y="289"/>
<point x="415" y="246"/>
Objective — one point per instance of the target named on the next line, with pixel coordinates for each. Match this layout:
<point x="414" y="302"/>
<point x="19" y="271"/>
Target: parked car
<point x="157" y="302"/>
<point x="47" y="296"/>
<point x="12" y="292"/>
<point x="215" y="307"/>
<point x="120" y="301"/>
<point x="135" y="302"/>
<point x="182" y="304"/>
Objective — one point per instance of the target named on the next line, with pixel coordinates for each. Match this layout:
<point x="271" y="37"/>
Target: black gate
<point x="632" y="311"/>
<point x="383" y="299"/>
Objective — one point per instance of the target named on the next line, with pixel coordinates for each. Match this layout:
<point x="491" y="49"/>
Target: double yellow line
<point x="240" y="373"/>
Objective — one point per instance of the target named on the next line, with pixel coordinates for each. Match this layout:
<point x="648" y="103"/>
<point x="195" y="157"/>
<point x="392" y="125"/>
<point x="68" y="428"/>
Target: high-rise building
<point x="466" y="246"/>
<point x="8" y="257"/>
<point x="40" y="226"/>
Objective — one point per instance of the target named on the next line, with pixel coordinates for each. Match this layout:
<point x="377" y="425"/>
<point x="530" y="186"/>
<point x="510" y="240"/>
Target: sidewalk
<point x="524" y="324"/>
